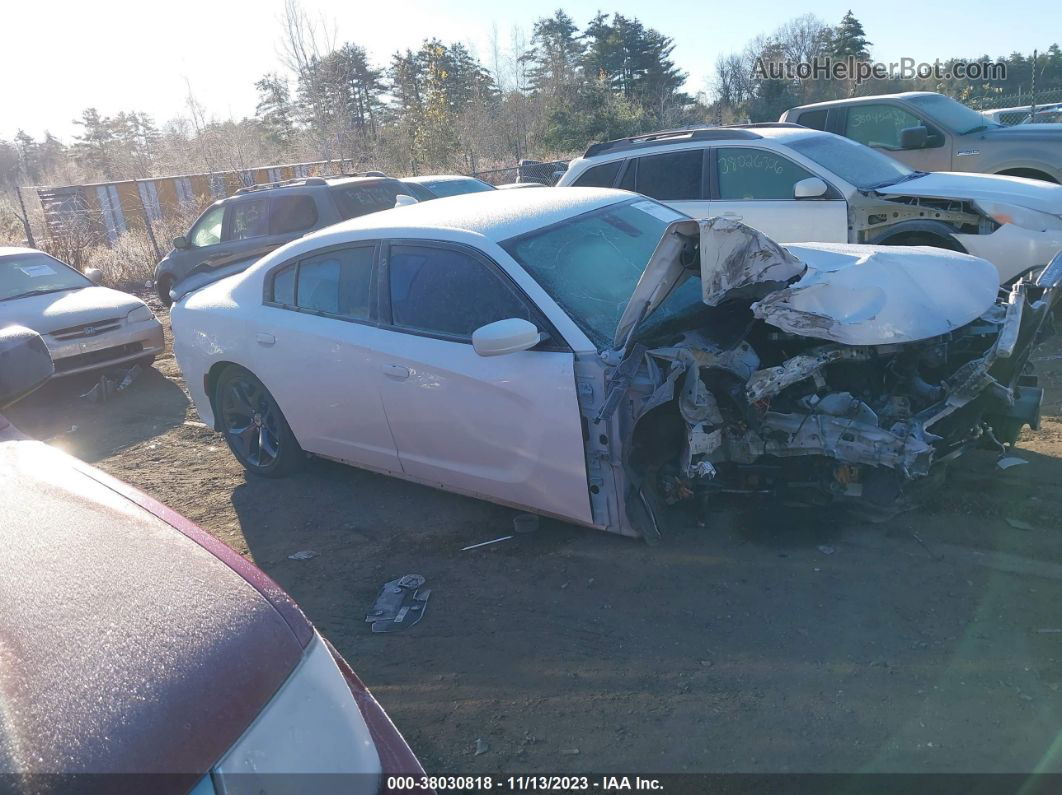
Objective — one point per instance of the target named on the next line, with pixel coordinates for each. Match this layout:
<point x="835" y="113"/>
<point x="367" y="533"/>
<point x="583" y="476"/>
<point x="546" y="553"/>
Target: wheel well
<point x="1028" y="173"/>
<point x="210" y="383"/>
<point x="923" y="239"/>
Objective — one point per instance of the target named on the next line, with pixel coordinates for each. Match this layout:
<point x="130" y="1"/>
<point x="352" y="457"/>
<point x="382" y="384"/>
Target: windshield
<point x="35" y="273"/>
<point x="591" y="263"/>
<point x="853" y="162"/>
<point x="455" y="187"/>
<point x="951" y="113"/>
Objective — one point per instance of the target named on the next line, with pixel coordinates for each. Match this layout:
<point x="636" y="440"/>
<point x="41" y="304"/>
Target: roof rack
<point x="670" y="137"/>
<point x="285" y="183"/>
<point x="768" y="125"/>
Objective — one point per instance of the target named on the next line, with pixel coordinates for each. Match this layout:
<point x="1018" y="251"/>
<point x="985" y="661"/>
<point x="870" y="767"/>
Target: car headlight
<point x="139" y="315"/>
<point x="311" y="725"/>
<point x="1004" y="213"/>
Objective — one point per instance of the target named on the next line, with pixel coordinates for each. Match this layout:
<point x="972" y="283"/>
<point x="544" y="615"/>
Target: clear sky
<point x="61" y="56"/>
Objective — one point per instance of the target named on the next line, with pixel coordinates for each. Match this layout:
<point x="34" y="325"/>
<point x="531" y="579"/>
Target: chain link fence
<point x="527" y="171"/>
<point x="1010" y="109"/>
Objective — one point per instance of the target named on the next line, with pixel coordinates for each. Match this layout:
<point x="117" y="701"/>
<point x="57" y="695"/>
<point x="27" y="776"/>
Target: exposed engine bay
<point x="821" y="373"/>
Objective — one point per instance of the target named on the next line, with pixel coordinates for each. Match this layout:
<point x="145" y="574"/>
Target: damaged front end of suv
<point x="819" y="373"/>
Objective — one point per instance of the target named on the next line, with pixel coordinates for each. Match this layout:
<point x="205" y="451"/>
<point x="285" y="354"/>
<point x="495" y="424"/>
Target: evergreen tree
<point x="275" y="110"/>
<point x="849" y="39"/>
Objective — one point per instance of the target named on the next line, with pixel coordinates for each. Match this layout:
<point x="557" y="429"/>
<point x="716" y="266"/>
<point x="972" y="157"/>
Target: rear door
<point x="504" y="427"/>
<point x="678" y="179"/>
<point x="315" y="349"/>
<point x="755" y="186"/>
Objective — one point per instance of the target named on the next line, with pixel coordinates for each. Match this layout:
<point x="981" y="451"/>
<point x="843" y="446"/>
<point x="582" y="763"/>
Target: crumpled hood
<point x="854" y="294"/>
<point x="46" y="313"/>
<point x="877" y="295"/>
<point x="1032" y="193"/>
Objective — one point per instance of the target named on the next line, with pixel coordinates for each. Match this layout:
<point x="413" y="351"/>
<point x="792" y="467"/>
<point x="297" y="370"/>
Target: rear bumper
<point x="129" y="343"/>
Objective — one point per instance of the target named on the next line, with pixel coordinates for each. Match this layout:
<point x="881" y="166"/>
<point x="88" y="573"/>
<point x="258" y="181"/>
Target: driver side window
<point x="878" y="125"/>
<point x="447" y="292"/>
<point x="207" y="231"/>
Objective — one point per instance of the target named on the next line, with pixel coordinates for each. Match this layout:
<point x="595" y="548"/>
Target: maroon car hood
<point x="125" y="646"/>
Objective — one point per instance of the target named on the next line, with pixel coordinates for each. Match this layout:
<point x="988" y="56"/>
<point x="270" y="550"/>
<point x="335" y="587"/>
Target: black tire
<point x="254" y="426"/>
<point x="163" y="287"/>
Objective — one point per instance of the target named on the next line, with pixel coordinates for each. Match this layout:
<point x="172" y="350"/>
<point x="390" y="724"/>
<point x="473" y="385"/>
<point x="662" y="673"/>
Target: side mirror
<point x="180" y="242"/>
<point x="914" y="137"/>
<point x="402" y="200"/>
<point x="25" y="363"/>
<point x="94" y="275"/>
<point x="810" y="188"/>
<point x="505" y="336"/>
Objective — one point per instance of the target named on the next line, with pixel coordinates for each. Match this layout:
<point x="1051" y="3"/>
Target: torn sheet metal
<point x="400" y="604"/>
<point x="735" y="257"/>
<point x="877" y="295"/>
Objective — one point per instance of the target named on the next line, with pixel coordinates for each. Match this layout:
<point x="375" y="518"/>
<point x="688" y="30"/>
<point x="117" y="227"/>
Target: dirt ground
<point x="767" y="640"/>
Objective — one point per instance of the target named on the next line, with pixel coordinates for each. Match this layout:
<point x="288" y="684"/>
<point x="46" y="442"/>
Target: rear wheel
<point x="254" y="426"/>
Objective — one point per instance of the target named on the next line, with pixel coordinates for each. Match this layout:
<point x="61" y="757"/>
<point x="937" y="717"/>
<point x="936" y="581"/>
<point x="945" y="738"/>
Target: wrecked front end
<point x="827" y="373"/>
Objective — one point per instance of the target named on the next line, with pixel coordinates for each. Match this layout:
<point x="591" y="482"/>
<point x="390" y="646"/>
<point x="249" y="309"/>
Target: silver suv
<point x="932" y="132"/>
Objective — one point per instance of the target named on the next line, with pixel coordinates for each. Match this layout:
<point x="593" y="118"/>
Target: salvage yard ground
<point x="768" y="639"/>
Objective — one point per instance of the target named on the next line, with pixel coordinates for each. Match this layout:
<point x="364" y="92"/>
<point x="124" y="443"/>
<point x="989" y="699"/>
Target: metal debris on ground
<point x="481" y="746"/>
<point x="111" y="383"/>
<point x="1008" y="461"/>
<point x="1019" y="524"/>
<point x="826" y="550"/>
<point x="486" y="543"/>
<point x="304" y="554"/>
<point x="400" y="604"/>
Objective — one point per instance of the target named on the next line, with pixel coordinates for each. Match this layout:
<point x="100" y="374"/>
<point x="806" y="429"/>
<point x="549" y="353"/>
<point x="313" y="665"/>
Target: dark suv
<point x="255" y="220"/>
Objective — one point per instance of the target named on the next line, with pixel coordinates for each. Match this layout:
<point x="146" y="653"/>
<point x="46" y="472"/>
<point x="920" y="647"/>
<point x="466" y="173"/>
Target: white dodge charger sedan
<point x="593" y="355"/>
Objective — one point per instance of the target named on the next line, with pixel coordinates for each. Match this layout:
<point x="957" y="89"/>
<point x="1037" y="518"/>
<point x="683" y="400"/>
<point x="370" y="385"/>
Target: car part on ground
<point x="628" y="358"/>
<point x="399" y="605"/>
<point x="85" y="326"/>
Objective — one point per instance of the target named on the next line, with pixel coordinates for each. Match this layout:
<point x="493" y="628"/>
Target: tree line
<point x="440" y="107"/>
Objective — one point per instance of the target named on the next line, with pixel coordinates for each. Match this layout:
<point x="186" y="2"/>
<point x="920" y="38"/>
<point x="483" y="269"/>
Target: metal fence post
<point x="25" y="218"/>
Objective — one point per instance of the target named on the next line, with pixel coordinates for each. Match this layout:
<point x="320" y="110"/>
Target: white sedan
<point x="595" y="356"/>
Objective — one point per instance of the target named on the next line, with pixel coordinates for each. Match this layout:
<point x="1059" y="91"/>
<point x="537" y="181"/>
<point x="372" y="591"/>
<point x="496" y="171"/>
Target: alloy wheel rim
<point x="251" y="422"/>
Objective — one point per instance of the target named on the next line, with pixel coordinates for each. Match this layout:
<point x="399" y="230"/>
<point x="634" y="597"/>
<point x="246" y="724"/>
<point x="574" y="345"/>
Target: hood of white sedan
<point x="853" y="294"/>
<point x="1035" y="194"/>
<point x="46" y="313"/>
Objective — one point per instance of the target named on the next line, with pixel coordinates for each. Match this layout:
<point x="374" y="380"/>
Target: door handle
<point x="265" y="339"/>
<point x="396" y="371"/>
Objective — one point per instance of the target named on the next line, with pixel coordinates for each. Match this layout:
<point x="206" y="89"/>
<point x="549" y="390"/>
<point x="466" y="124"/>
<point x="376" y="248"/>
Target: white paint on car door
<point x="504" y="427"/>
<point x="755" y="186"/>
<point x="318" y="357"/>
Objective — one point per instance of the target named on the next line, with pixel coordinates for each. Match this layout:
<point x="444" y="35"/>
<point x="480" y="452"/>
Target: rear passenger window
<point x="291" y="214"/>
<point x="746" y="173"/>
<point x="671" y="177"/>
<point x="249" y="219"/>
<point x="599" y="176"/>
<point x="448" y="292"/>
<point x="284" y="286"/>
<point x="815" y="119"/>
<point x="337" y="283"/>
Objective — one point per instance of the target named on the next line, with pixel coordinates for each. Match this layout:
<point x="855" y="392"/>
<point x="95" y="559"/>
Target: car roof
<point x="861" y="100"/>
<point x="5" y="250"/>
<point x="495" y="215"/>
<point x="424" y="178"/>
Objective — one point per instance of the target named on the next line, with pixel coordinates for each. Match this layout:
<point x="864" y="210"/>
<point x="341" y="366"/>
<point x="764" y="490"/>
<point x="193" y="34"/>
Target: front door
<point x="755" y="186"/>
<point x="879" y="127"/>
<point x="503" y="427"/>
